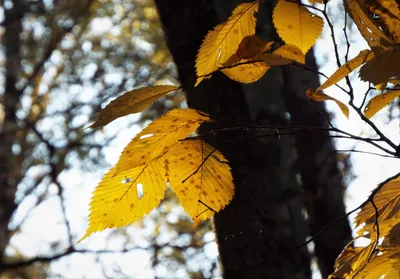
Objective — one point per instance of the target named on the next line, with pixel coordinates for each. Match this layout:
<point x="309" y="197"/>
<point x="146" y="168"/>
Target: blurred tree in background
<point x="60" y="61"/>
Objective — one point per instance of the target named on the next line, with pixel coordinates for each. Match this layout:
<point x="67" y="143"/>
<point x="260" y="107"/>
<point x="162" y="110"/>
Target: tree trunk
<point x="9" y="169"/>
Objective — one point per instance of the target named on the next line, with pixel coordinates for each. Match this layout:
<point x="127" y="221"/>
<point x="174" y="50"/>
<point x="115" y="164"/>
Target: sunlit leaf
<point x="221" y="43"/>
<point x="246" y="71"/>
<point x="387" y="202"/>
<point x="363" y="57"/>
<point x="379" y="102"/>
<point x="296" y="25"/>
<point x="362" y="262"/>
<point x="366" y="24"/>
<point x="201" y="178"/>
<point x="131" y="102"/>
<point x="319" y="96"/>
<point x="156" y="139"/>
<point x="387" y="15"/>
<point x="393" y="237"/>
<point x="118" y="200"/>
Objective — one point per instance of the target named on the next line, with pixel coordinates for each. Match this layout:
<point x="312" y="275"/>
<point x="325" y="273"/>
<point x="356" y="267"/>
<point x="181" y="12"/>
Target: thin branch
<point x="366" y="152"/>
<point x="208" y="208"/>
<point x="202" y="163"/>
<point x="292" y="130"/>
<point x="376" y="226"/>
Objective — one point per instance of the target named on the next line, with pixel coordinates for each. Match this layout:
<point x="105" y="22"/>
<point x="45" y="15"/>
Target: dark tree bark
<point x="9" y="167"/>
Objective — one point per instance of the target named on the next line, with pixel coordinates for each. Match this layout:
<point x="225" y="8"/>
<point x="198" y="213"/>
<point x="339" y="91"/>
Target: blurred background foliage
<point x="72" y="58"/>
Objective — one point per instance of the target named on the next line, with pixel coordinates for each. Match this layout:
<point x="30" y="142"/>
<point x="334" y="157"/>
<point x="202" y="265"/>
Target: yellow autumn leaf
<point x="246" y="71"/>
<point x="221" y="43"/>
<point x="291" y="52"/>
<point x="393" y="237"/>
<point x="350" y="260"/>
<point x="122" y="198"/>
<point x="201" y="178"/>
<point x="363" y="57"/>
<point x="387" y="201"/>
<point x="366" y="24"/>
<point x="376" y="267"/>
<point x="319" y="96"/>
<point x="384" y="66"/>
<point x="296" y="25"/>
<point x="132" y="101"/>
<point x="387" y="14"/>
<point x="240" y="67"/>
<point x="156" y="139"/>
<point x="362" y="262"/>
<point x="379" y="102"/>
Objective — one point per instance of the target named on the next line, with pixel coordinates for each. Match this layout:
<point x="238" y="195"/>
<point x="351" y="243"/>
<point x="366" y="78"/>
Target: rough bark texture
<point x="8" y="165"/>
<point x="264" y="220"/>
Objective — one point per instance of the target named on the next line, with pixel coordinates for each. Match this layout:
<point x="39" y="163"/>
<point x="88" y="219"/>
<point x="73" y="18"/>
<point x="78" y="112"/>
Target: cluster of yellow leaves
<point x="381" y="257"/>
<point x="233" y="48"/>
<point x="199" y="174"/>
<point x="379" y="24"/>
<point x="159" y="155"/>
